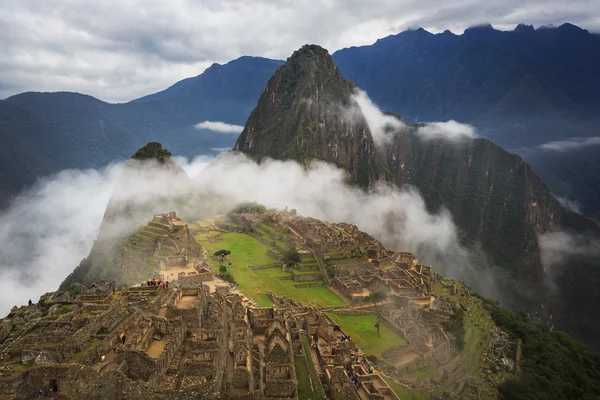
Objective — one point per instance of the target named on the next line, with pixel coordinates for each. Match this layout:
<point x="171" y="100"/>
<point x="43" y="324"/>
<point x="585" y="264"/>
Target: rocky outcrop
<point x="307" y="113"/>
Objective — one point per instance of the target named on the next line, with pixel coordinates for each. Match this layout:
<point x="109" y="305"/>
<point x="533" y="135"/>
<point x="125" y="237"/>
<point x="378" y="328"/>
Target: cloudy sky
<point x="118" y="50"/>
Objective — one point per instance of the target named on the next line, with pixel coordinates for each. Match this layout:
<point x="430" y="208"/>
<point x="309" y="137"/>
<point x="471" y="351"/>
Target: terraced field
<point x="247" y="250"/>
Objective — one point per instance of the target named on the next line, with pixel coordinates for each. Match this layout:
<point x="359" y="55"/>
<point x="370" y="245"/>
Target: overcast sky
<point x="118" y="50"/>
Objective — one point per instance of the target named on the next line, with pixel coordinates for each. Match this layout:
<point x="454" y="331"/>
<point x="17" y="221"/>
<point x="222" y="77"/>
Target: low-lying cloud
<point x="382" y="126"/>
<point x="448" y="130"/>
<point x="574" y="143"/>
<point x="569" y="204"/>
<point x="52" y="226"/>
<point x="221" y="127"/>
<point x="559" y="246"/>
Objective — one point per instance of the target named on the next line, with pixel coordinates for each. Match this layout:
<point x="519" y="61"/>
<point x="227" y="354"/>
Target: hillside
<point x="283" y="332"/>
<point x="137" y="257"/>
<point x="125" y="250"/>
<point x="520" y="88"/>
<point x="496" y="199"/>
<point x="43" y="133"/>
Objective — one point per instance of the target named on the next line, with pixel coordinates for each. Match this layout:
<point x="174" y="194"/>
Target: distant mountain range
<point x="527" y="90"/>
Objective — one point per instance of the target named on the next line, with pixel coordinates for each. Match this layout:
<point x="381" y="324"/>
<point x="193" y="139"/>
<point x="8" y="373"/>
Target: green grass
<point x="304" y="387"/>
<point x="318" y="295"/>
<point x="246" y="250"/>
<point x="362" y="330"/>
<point x="423" y="372"/>
<point x="311" y="272"/>
<point x="405" y="393"/>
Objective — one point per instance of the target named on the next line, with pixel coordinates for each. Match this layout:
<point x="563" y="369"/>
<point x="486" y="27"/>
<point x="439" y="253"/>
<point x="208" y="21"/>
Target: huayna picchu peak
<point x="307" y="112"/>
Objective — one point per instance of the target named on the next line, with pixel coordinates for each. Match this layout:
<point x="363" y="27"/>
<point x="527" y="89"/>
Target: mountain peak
<point x="152" y="150"/>
<point x="524" y="28"/>
<point x="307" y="112"/>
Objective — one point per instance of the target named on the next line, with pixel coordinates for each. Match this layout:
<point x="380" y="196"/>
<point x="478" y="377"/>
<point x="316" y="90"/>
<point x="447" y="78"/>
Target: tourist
<point x="41" y="394"/>
<point x="167" y="284"/>
<point x="123" y="339"/>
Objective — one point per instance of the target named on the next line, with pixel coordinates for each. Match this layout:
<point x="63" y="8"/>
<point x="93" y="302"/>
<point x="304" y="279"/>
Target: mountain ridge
<point x="494" y="196"/>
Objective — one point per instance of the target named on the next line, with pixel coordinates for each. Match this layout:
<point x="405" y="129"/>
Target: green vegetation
<point x="152" y="150"/>
<point x="304" y="387"/>
<point x="63" y="309"/>
<point x="555" y="365"/>
<point x="249" y="208"/>
<point x="317" y="388"/>
<point x="291" y="257"/>
<point x="246" y="250"/>
<point x="404" y="392"/>
<point x="318" y="295"/>
<point x="361" y="329"/>
<point x="456" y="326"/>
<point x="377" y="298"/>
<point x="423" y="372"/>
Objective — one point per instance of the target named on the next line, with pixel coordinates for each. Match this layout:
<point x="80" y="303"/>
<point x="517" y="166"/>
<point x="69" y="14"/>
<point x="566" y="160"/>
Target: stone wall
<point x="241" y="378"/>
<point x="258" y="267"/>
<point x="305" y="285"/>
<point x="281" y="388"/>
<point x="271" y="253"/>
<point x="307" y="277"/>
<point x="5" y="329"/>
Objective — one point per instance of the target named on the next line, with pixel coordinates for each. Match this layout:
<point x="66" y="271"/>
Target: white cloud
<point x="569" y="204"/>
<point x="219" y="126"/>
<point x="382" y="126"/>
<point x="119" y="50"/>
<point x="449" y="130"/>
<point x="557" y="247"/>
<point x="52" y="226"/>
<point x="575" y="143"/>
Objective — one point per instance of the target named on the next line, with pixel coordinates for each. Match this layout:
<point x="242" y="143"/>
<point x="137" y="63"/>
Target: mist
<point x="51" y="227"/>
<point x="558" y="247"/>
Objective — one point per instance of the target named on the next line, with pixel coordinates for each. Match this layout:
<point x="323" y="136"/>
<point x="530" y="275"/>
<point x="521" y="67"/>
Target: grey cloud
<point x="120" y="50"/>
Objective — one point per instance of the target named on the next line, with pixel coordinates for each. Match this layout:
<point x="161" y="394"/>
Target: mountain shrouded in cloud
<point x="498" y="203"/>
<point x="507" y="84"/>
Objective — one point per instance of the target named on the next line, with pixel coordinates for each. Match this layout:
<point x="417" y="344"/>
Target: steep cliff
<point x="307" y="112"/>
<point x="494" y="196"/>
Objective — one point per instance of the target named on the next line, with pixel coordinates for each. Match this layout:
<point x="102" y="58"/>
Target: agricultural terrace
<point x="247" y="250"/>
<point x="361" y="329"/>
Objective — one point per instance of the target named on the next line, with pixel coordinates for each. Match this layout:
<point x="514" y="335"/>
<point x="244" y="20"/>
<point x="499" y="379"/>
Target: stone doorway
<point x="53" y="385"/>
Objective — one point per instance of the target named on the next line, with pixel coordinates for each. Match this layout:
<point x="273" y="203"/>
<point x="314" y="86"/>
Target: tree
<point x="376" y="298"/>
<point x="222" y="254"/>
<point x="291" y="257"/>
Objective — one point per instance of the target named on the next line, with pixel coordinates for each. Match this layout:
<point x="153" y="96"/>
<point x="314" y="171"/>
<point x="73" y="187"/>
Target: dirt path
<point x="156" y="347"/>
